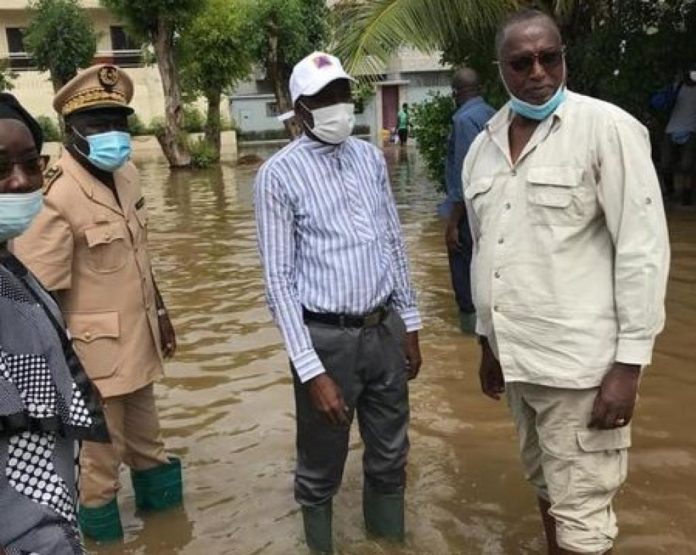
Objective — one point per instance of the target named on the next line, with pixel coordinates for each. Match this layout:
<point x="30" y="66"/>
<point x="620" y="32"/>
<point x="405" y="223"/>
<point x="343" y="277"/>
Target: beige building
<point x="34" y="88"/>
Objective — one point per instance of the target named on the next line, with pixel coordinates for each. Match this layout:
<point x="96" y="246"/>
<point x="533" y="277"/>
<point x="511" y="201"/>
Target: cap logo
<point x="108" y="76"/>
<point x="322" y="61"/>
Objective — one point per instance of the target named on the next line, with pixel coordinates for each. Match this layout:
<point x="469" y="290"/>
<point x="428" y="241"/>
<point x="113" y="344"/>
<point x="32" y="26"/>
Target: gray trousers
<point x="369" y="366"/>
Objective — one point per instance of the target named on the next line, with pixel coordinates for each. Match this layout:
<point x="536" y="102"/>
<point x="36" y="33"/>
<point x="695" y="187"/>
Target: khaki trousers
<point x="135" y="440"/>
<point x="576" y="469"/>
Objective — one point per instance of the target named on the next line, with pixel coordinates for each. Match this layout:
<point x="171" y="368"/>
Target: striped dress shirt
<point x="330" y="240"/>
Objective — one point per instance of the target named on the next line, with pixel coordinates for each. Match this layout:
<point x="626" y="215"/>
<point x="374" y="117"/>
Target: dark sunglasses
<point x="524" y="64"/>
<point x="31" y="165"/>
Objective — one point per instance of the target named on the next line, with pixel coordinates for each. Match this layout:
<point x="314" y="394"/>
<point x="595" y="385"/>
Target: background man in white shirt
<point x="569" y="274"/>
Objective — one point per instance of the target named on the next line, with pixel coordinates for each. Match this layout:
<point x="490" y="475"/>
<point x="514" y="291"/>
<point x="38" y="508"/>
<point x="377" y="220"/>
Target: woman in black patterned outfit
<point x="47" y="403"/>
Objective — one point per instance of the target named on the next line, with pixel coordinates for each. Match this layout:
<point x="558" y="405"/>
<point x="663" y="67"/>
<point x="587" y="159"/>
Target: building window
<point x="126" y="50"/>
<point x="272" y="109"/>
<point x="19" y="59"/>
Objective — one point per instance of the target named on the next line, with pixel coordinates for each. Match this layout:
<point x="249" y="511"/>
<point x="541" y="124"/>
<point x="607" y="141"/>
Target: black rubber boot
<point x="384" y="514"/>
<point x="318" y="528"/>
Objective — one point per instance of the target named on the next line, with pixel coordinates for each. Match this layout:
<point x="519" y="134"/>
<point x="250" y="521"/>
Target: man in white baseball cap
<point x="338" y="286"/>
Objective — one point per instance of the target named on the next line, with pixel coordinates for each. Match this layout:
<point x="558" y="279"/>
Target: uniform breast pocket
<point x="555" y="195"/>
<point x="107" y="247"/>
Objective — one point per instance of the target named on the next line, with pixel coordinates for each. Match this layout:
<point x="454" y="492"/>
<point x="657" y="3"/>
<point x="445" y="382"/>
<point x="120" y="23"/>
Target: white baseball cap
<point x="313" y="73"/>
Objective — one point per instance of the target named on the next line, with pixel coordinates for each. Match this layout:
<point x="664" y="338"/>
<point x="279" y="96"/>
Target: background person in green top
<point x="403" y="124"/>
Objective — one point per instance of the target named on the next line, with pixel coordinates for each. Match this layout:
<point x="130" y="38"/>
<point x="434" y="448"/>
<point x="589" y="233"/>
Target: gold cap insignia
<point x="108" y="76"/>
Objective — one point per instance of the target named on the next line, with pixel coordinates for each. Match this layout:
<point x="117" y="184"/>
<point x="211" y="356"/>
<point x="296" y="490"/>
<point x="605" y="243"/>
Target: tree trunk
<point x="172" y="140"/>
<point x="282" y="96"/>
<point x="212" y="122"/>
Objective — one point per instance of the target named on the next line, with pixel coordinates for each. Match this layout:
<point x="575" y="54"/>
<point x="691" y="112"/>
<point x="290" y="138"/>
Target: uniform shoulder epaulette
<point x="51" y="175"/>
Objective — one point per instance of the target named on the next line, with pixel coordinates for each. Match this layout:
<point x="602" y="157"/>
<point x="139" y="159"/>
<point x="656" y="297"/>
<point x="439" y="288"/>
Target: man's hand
<point x="490" y="372"/>
<point x="327" y="399"/>
<point x="413" y="355"/>
<point x="452" y="236"/>
<point x="167" y="335"/>
<point x="614" y="404"/>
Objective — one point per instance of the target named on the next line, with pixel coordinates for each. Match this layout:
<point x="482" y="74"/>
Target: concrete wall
<point x="35" y="91"/>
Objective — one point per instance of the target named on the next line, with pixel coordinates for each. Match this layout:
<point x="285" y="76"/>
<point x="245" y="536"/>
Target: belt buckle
<point x="373" y="319"/>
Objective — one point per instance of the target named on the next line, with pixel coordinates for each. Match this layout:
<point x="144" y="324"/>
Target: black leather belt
<point x="372" y="319"/>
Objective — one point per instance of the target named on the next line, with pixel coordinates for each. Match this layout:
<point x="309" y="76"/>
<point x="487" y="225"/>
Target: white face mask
<point x="333" y="124"/>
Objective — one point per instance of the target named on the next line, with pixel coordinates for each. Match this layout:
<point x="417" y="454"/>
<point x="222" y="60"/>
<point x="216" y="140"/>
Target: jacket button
<point x="87" y="336"/>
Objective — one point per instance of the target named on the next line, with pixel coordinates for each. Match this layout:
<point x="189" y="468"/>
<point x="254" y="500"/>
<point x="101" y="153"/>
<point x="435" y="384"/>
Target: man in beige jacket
<point x="89" y="246"/>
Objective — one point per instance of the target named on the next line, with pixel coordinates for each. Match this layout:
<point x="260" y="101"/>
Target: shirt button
<point x="496" y="308"/>
<point x="497" y="275"/>
<point x="87" y="336"/>
<point x="513" y="173"/>
<point x="508" y="206"/>
<point x="648" y="200"/>
<point x="501" y="241"/>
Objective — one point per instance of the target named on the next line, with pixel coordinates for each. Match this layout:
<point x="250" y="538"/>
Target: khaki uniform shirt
<point x="571" y="248"/>
<point x="93" y="254"/>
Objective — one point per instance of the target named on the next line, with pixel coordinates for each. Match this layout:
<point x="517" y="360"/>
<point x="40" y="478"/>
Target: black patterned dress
<point x="47" y="405"/>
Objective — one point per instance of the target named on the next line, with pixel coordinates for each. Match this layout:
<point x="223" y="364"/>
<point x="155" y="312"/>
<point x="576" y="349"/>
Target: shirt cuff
<point x="634" y="351"/>
<point x="412" y="319"/>
<point x="307" y="365"/>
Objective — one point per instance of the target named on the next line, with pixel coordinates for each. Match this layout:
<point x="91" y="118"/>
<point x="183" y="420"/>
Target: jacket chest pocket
<point x="107" y="247"/>
<point x="555" y="195"/>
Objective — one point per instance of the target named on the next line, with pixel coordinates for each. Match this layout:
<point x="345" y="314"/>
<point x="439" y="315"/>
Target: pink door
<point x="390" y="106"/>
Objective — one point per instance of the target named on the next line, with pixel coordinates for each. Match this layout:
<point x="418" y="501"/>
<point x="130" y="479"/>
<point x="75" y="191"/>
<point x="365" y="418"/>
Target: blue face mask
<point x="538" y="112"/>
<point x="17" y="211"/>
<point x="107" y="151"/>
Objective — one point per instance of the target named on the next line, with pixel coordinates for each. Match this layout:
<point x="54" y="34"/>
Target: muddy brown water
<point x="227" y="410"/>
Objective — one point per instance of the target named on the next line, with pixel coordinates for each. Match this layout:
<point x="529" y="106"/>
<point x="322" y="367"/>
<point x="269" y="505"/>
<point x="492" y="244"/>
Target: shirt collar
<point x="318" y="147"/>
<point x="505" y="114"/>
<point x="471" y="102"/>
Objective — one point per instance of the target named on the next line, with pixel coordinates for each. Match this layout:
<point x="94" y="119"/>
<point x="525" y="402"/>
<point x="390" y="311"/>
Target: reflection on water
<point x="227" y="410"/>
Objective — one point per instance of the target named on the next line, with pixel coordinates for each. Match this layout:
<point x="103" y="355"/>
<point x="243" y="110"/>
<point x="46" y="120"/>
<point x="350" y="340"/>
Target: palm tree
<point x="370" y="32"/>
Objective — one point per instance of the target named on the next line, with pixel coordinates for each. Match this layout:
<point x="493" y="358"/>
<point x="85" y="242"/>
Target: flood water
<point x="227" y="407"/>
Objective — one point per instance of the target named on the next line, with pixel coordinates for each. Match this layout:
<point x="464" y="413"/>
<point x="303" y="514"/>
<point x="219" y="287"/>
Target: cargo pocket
<point x="554" y="195"/>
<point x="96" y="341"/>
<point x="107" y="250"/>
<point x="603" y="463"/>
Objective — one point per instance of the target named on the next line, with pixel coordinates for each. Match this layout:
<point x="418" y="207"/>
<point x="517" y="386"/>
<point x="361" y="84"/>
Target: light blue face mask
<point x="536" y="112"/>
<point x="107" y="151"/>
<point x="17" y="211"/>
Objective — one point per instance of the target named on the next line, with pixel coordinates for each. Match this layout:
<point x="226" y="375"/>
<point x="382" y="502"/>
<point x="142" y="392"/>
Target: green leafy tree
<point x="159" y="22"/>
<point x="215" y="56"/>
<point x="60" y="38"/>
<point x="6" y="76"/>
<point x="281" y="33"/>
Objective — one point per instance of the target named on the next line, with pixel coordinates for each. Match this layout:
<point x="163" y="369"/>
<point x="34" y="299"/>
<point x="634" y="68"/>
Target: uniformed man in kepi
<point x="89" y="246"/>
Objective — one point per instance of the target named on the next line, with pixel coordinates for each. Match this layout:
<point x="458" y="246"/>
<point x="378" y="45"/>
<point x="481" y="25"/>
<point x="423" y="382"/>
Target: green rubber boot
<point x="317" y="526"/>
<point x="102" y="524"/>
<point x="158" y="488"/>
<point x="384" y="514"/>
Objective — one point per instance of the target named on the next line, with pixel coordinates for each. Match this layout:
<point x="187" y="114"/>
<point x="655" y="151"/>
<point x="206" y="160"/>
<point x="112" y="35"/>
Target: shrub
<point x="194" y="120"/>
<point x="136" y="127"/>
<point x="157" y="126"/>
<point x="50" y="129"/>
<point x="202" y="153"/>
<point x="431" y="125"/>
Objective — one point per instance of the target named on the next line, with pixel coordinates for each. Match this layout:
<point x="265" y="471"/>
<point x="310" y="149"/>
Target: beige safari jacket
<point x="571" y="251"/>
<point x="93" y="254"/>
